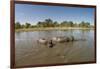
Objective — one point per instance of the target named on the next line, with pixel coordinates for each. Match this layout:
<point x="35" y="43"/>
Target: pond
<point x="29" y="52"/>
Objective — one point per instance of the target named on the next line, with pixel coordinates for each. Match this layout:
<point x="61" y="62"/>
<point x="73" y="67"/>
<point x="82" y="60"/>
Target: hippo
<point x="42" y="41"/>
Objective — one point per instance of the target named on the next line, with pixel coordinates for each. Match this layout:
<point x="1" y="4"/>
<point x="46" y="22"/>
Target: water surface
<point x="29" y="52"/>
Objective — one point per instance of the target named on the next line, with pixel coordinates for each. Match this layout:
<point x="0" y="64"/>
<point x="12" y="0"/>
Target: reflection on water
<point x="29" y="52"/>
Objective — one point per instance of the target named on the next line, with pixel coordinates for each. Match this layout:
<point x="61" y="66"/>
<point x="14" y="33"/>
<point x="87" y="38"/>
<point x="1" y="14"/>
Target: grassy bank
<point x="51" y="28"/>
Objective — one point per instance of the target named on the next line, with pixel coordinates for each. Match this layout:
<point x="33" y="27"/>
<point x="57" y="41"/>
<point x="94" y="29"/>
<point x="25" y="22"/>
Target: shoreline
<point x="52" y="28"/>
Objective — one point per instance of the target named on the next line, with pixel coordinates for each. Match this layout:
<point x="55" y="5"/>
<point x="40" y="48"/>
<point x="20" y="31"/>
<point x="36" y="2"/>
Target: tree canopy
<point x="50" y="23"/>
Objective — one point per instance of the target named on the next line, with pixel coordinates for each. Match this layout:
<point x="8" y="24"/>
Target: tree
<point x="71" y="24"/>
<point x="48" y="23"/>
<point x="87" y="24"/>
<point x="40" y="24"/>
<point x="17" y="25"/>
<point x="84" y="24"/>
<point x="56" y="24"/>
<point x="67" y="24"/>
<point x="22" y="26"/>
<point x="64" y="23"/>
<point x="27" y="25"/>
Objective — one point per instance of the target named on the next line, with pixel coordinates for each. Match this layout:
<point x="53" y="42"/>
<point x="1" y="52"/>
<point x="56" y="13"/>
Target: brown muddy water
<point x="29" y="52"/>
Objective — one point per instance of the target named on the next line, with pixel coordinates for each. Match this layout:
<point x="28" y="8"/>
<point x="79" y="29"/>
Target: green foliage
<point x="56" y="24"/>
<point x="84" y="24"/>
<point x="64" y="24"/>
<point x="46" y="23"/>
<point x="17" y="25"/>
<point x="27" y="25"/>
<point x="50" y="23"/>
<point x="67" y="24"/>
<point x="71" y="24"/>
<point x="22" y="26"/>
